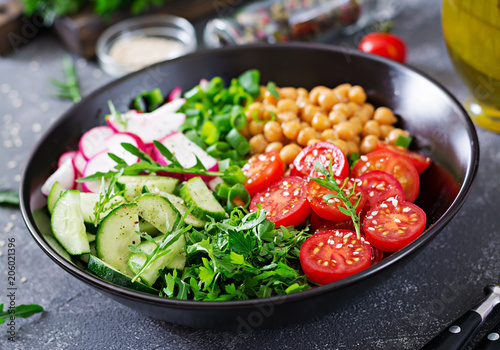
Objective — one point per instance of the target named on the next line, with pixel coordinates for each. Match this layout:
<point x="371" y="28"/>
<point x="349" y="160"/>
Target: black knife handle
<point x="491" y="341"/>
<point x="456" y="334"/>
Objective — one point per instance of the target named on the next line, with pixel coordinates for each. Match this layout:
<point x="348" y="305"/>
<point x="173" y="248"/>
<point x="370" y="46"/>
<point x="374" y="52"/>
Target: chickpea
<point x="368" y="144"/>
<point x="255" y="105"/>
<point x="269" y="98"/>
<point x="312" y="142"/>
<point x="342" y="92"/>
<point x="327" y="99"/>
<point x="309" y="112"/>
<point x="255" y="127"/>
<point x="258" y="144"/>
<point x="328" y="134"/>
<point x="287" y="105"/>
<point x="305" y="135"/>
<point x="301" y="102"/>
<point x="304" y="125"/>
<point x="394" y="134"/>
<point x="286" y="117"/>
<point x="274" y="146"/>
<point x="261" y="114"/>
<point x="357" y="125"/>
<point x="371" y="127"/>
<point x="301" y="92"/>
<point x="337" y="116"/>
<point x="356" y="139"/>
<point x="321" y="122"/>
<point x="341" y="144"/>
<point x="343" y="107"/>
<point x="353" y="107"/>
<point x="245" y="131"/>
<point x="289" y="152"/>
<point x="385" y="130"/>
<point x="345" y="130"/>
<point x="315" y="92"/>
<point x="291" y="129"/>
<point x="273" y="131"/>
<point x="362" y="115"/>
<point x="352" y="147"/>
<point x="357" y="94"/>
<point x="260" y="98"/>
<point x="384" y="116"/>
<point x="289" y="92"/>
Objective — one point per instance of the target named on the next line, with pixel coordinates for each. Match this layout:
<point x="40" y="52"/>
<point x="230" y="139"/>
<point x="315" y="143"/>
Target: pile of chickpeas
<point x="300" y="118"/>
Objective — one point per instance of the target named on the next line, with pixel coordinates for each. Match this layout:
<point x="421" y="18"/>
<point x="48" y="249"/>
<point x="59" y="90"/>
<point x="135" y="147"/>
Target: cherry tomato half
<point x="392" y="225"/>
<point x="285" y="201"/>
<point x="323" y="152"/>
<point x="262" y="170"/>
<point x="420" y="161"/>
<point x="331" y="255"/>
<point x="329" y="210"/>
<point x="384" y="44"/>
<point x="393" y="164"/>
<point x="378" y="186"/>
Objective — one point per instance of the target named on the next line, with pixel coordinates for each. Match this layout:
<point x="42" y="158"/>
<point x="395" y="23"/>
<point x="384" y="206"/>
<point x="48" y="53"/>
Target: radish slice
<point x="175" y="94"/>
<point x="79" y="162"/>
<point x="101" y="162"/>
<point x="185" y="150"/>
<point x="151" y="126"/>
<point x="65" y="156"/>
<point x="113" y="145"/>
<point x="92" y="142"/>
<point x="65" y="175"/>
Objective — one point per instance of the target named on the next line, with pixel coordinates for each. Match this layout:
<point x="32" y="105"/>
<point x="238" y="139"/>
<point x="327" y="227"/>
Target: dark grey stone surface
<point x="443" y="281"/>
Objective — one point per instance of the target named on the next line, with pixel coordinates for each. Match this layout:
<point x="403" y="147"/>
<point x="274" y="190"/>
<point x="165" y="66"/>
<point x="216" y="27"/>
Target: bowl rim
<point x="419" y="243"/>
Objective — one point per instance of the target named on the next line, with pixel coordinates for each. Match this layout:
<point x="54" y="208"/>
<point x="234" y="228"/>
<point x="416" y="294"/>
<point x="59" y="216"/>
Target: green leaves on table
<point x="9" y="197"/>
<point x="20" y="311"/>
<point x="69" y="88"/>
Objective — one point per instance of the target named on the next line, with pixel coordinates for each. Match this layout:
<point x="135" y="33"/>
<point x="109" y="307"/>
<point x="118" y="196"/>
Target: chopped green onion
<point x="238" y="142"/>
<point x="242" y="98"/>
<point x="195" y="137"/>
<point x="238" y="118"/>
<point x="215" y="85"/>
<point x="192" y="112"/>
<point x="271" y="87"/>
<point x="209" y="133"/>
<point x="250" y="81"/>
<point x="255" y="115"/>
<point x="147" y="101"/>
<point x="403" y="141"/>
<point x="195" y="93"/>
<point x="191" y="123"/>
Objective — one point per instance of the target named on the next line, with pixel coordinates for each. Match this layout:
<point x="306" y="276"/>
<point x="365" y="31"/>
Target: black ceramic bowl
<point x="441" y="128"/>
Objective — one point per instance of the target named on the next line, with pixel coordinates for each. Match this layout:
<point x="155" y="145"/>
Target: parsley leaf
<point x="23" y="311"/>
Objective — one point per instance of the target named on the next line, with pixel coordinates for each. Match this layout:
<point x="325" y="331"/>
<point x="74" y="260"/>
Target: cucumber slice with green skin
<point x="179" y="204"/>
<point x="88" y="202"/>
<point x="117" y="231"/>
<point x="156" y="210"/>
<point x="137" y="260"/>
<point x="110" y="274"/>
<point x="85" y="257"/>
<point x="90" y="237"/>
<point x="67" y="223"/>
<point x="197" y="195"/>
<point x="55" y="192"/>
<point x="154" y="183"/>
<point x="145" y="226"/>
<point x="152" y="272"/>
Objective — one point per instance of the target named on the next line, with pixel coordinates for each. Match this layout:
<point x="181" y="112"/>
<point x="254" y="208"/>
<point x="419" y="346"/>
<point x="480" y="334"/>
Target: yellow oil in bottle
<point x="471" y="31"/>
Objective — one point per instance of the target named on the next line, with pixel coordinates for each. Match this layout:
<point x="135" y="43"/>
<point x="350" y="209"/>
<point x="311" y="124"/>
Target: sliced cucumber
<point x="54" y="244"/>
<point x="135" y="184"/>
<point x="197" y="195"/>
<point x="88" y="202"/>
<point x="145" y="226"/>
<point x="90" y="237"/>
<point x="179" y="204"/>
<point x="152" y="272"/>
<point x="157" y="210"/>
<point x="67" y="223"/>
<point x="55" y="192"/>
<point x="110" y="274"/>
<point x="117" y="231"/>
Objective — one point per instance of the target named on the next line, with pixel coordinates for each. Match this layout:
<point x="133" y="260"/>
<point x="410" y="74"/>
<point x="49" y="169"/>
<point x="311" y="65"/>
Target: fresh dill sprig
<point x="68" y="89"/>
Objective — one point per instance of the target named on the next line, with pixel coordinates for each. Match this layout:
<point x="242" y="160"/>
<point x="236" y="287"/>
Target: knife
<point x="492" y="340"/>
<point x="456" y="335"/>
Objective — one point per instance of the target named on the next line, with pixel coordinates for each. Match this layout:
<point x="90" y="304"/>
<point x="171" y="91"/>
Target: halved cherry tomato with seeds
<point x="392" y="225"/>
<point x="323" y="152"/>
<point x="378" y="186"/>
<point x="331" y="255"/>
<point x="396" y="165"/>
<point x="262" y="170"/>
<point x="285" y="201"/>
<point x="420" y="161"/>
<point x="329" y="210"/>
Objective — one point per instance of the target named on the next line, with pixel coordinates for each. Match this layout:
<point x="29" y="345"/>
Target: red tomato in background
<point x="396" y="165"/>
<point x="331" y="255"/>
<point x="420" y="161"/>
<point x="384" y="44"/>
<point x="262" y="170"/>
<point x="323" y="152"/>
<point x="378" y="186"/>
<point x="392" y="225"/>
<point x="285" y="201"/>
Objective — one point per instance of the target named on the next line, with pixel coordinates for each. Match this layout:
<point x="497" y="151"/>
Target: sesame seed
<point x="8" y="227"/>
<point x="371" y="228"/>
<point x="316" y="250"/>
<point x="250" y="181"/>
<point x="330" y="201"/>
<point x="320" y="244"/>
<point x="338" y="246"/>
<point x="267" y="194"/>
<point x="374" y="213"/>
<point x="36" y="127"/>
<point x="273" y="158"/>
<point x="286" y="193"/>
<point x="406" y="209"/>
<point x="372" y="194"/>
<point x="383" y="205"/>
<point x="23" y="280"/>
<point x="374" y="222"/>
<point x="296" y="192"/>
<point x="285" y="183"/>
<point x="397" y="220"/>
<point x="325" y="263"/>
<point x="348" y="235"/>
<point x="315" y="152"/>
<point x="355" y="253"/>
<point x="12" y="164"/>
<point x="2" y="243"/>
<point x="364" y="158"/>
<point x="350" y="246"/>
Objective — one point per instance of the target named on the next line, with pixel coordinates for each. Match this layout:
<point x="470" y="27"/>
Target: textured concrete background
<point x="443" y="281"/>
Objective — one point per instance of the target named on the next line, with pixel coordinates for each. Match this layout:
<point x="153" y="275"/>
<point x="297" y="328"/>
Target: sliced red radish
<point x="79" y="162"/>
<point x="150" y="126"/>
<point x="65" y="156"/>
<point x="92" y="142"/>
<point x="185" y="150"/>
<point x="175" y="94"/>
<point x="101" y="162"/>
<point x="65" y="175"/>
<point x="114" y="145"/>
<point x="204" y="84"/>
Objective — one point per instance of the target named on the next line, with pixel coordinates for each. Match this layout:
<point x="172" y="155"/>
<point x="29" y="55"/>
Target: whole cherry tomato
<point x="384" y="44"/>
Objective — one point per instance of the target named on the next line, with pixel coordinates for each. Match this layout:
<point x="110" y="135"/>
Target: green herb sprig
<point x="20" y="311"/>
<point x="330" y="183"/>
<point x="9" y="197"/>
<point x="68" y="89"/>
<point x="106" y="194"/>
